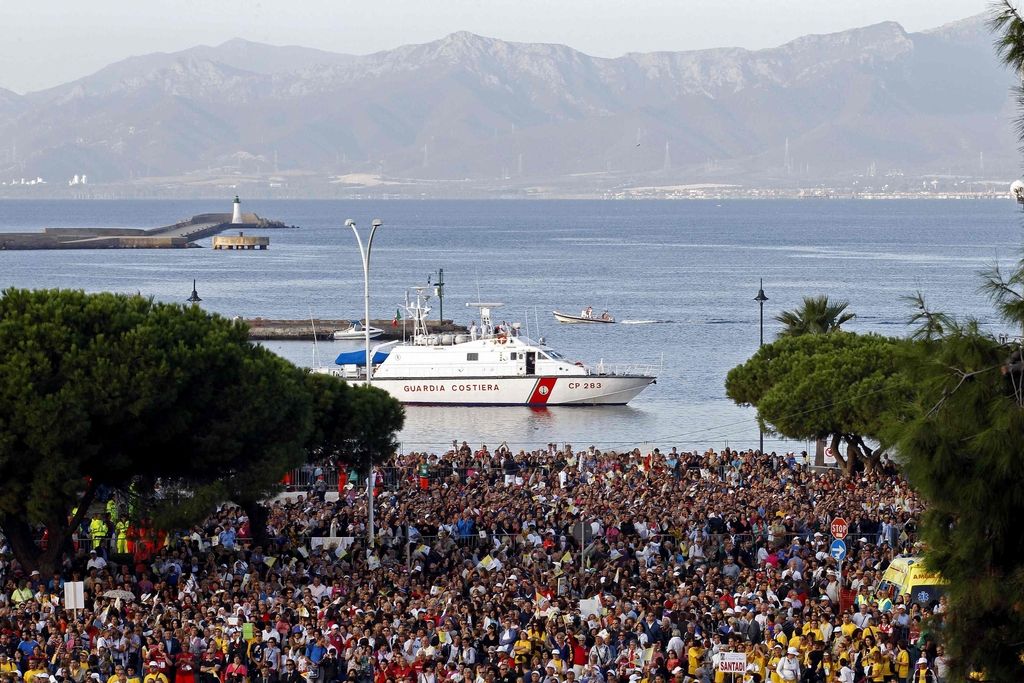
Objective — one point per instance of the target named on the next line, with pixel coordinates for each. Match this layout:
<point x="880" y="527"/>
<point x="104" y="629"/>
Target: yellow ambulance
<point x="907" y="576"/>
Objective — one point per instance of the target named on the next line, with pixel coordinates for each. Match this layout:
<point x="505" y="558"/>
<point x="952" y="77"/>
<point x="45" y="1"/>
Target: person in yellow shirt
<point x="522" y="648"/>
<point x="876" y="673"/>
<point x="847" y="627"/>
<point x="828" y="666"/>
<point x="154" y="675"/>
<point x="36" y="671"/>
<point x="694" y="655"/>
<point x="758" y="658"/>
<point x="220" y="643"/>
<point x="902" y="662"/>
<point x="36" y="675"/>
<point x="536" y="636"/>
<point x="119" y="675"/>
<point x="773" y="663"/>
<point x="133" y="677"/>
<point x="887" y="663"/>
<point x="6" y="665"/>
<point x="812" y="628"/>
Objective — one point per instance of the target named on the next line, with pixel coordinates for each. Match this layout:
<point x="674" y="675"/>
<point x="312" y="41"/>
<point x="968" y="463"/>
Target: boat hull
<point x="578" y="319"/>
<point x="516" y="391"/>
<point x="358" y="335"/>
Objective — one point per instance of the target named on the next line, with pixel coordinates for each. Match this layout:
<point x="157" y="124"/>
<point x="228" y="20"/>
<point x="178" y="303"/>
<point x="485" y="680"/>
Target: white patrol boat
<point x="492" y="366"/>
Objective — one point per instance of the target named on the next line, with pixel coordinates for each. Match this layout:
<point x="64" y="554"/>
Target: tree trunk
<point x="845" y="464"/>
<point x="22" y="537"/>
<point x="23" y="543"/>
<point x="29" y="553"/>
<point x="258" y="514"/>
<point x="872" y="457"/>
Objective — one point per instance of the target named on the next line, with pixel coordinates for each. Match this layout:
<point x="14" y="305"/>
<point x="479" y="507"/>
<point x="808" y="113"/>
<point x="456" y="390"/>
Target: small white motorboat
<point x="355" y="332"/>
<point x="585" y="316"/>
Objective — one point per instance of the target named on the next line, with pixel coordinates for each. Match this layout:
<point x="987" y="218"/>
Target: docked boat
<point x="494" y="365"/>
<point x="355" y="332"/>
<point x="585" y="316"/>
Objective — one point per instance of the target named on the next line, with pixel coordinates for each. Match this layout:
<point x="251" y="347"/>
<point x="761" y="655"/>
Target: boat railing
<point x="603" y="369"/>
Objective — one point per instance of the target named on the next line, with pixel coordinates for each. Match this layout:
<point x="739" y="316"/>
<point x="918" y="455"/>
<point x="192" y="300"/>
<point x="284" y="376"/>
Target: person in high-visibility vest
<point x="98" y="531"/>
<point x="884" y="602"/>
<point x="121" y="536"/>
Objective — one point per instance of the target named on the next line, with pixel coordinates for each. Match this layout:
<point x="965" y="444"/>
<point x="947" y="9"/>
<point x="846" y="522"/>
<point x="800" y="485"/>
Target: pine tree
<point x="962" y="447"/>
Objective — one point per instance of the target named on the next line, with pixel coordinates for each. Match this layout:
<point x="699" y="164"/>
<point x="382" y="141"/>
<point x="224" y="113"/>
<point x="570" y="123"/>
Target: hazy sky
<point x="48" y="42"/>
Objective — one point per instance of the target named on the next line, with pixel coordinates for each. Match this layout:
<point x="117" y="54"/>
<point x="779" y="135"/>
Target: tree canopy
<point x="961" y="442"/>
<point x="355" y="425"/>
<point x="836" y="387"/>
<point x="962" y="446"/>
<point x="115" y="391"/>
<point x="817" y="315"/>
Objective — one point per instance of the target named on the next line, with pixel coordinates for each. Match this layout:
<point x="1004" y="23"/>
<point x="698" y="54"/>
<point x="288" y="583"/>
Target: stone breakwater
<point x="262" y="329"/>
<point x="180" y="235"/>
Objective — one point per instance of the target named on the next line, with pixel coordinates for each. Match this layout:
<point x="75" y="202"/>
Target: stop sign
<point x="839" y="528"/>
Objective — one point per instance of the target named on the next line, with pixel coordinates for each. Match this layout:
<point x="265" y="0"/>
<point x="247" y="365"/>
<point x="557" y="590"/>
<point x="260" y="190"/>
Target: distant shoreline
<point x="622" y="195"/>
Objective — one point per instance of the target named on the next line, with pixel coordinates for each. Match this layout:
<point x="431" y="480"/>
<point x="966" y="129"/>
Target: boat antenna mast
<point x="418" y="311"/>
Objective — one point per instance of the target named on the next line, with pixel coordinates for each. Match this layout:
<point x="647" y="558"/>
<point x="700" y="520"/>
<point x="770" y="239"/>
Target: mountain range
<point x="468" y="109"/>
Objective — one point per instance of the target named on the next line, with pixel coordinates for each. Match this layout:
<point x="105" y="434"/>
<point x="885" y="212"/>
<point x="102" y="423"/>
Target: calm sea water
<point x="692" y="266"/>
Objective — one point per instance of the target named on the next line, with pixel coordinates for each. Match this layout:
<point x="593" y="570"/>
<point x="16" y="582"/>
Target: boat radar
<point x="236" y="212"/>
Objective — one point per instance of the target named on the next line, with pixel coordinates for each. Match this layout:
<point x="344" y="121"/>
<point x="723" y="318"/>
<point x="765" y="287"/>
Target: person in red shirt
<point x="579" y="655"/>
<point x="398" y="669"/>
<point x="185" y="667"/>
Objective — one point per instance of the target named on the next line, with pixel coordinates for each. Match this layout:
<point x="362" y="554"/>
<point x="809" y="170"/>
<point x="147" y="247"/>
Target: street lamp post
<point x="365" y="254"/>
<point x="760" y="299"/>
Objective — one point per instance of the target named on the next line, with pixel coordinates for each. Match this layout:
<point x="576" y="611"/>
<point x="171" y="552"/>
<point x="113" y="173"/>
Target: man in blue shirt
<point x="28" y="644"/>
<point x="315" y="650"/>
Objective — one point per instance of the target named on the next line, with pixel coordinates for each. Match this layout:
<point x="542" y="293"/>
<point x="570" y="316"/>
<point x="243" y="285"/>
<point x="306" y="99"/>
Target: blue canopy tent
<point x="359" y="358"/>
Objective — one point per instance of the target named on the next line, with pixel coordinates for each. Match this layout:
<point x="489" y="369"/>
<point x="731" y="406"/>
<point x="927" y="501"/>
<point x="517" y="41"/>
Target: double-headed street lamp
<point x="365" y="253"/>
<point x="760" y="299"/>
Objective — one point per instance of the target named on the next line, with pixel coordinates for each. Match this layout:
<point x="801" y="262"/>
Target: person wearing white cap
<point x="788" y="667"/>
<point x="557" y="662"/>
<point x="922" y="674"/>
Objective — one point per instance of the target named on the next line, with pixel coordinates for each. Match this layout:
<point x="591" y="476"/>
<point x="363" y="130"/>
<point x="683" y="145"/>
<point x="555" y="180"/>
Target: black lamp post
<point x="194" y="299"/>
<point x="760" y="299"/>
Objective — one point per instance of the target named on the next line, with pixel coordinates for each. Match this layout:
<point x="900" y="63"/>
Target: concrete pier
<point x="180" y="235"/>
<point x="261" y="329"/>
<point x="240" y="241"/>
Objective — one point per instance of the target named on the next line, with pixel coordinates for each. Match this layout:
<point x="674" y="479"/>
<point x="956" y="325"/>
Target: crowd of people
<point x="550" y="566"/>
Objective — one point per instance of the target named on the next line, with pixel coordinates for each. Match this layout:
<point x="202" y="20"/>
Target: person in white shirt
<point x="788" y="668"/>
<point x="675" y="644"/>
<point x="845" y="673"/>
<point x="862" y="618"/>
<point x="95" y="561"/>
<point x="317" y="589"/>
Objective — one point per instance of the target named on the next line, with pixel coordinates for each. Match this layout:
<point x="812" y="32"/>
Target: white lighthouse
<point x="236" y="211"/>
